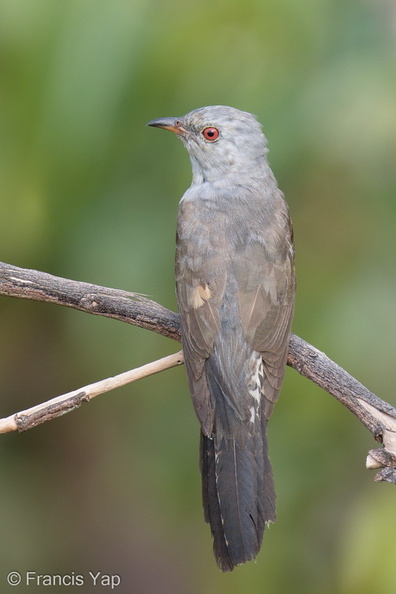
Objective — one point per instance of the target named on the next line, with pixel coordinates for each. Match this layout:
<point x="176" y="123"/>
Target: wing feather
<point x="266" y="301"/>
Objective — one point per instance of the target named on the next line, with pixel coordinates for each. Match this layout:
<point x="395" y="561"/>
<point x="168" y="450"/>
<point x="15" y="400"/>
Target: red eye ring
<point x="210" y="133"/>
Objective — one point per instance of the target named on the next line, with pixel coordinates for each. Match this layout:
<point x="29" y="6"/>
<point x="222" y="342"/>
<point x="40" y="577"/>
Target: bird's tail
<point x="238" y="493"/>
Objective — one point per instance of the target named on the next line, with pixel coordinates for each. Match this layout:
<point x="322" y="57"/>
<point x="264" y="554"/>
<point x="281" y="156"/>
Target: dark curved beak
<point x="172" y="124"/>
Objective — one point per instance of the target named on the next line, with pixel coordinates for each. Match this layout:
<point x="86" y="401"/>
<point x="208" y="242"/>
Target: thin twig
<point x="26" y="419"/>
<point x="378" y="416"/>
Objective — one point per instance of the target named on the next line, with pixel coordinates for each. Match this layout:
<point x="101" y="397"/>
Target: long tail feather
<point x="238" y="495"/>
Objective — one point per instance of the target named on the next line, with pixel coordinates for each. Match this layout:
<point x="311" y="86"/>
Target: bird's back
<point x="227" y="270"/>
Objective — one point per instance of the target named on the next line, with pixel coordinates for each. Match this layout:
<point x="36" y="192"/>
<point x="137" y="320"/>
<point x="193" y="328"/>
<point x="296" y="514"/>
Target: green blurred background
<point x="88" y="192"/>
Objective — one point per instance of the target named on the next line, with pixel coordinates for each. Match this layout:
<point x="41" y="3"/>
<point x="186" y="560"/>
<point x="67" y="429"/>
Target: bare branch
<point x="133" y="308"/>
<point x="377" y="416"/>
<point x="26" y="419"/>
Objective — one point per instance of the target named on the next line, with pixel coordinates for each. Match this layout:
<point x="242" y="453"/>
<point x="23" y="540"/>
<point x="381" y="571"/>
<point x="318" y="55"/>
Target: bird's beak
<point x="172" y="124"/>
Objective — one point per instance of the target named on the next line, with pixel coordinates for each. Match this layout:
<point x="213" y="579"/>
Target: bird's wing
<point x="199" y="293"/>
<point x="266" y="288"/>
<point x="256" y="265"/>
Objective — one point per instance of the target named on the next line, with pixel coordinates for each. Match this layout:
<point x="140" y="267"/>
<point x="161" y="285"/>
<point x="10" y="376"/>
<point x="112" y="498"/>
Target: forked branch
<point x="377" y="416"/>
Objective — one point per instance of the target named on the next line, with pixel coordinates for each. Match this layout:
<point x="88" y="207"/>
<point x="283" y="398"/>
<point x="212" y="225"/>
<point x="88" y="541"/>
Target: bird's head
<point x="220" y="140"/>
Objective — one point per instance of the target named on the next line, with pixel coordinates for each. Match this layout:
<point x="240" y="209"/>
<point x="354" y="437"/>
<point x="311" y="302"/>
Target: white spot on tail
<point x="252" y="414"/>
<point x="255" y="386"/>
<point x="256" y="379"/>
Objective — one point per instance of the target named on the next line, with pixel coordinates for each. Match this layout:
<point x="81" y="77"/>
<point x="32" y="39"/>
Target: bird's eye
<point x="210" y="134"/>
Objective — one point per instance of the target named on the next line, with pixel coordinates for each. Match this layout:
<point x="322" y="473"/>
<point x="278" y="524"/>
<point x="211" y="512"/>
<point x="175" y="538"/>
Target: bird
<point x="235" y="287"/>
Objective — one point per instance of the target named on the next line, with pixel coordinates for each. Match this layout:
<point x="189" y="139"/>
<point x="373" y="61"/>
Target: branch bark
<point x="133" y="308"/>
<point x="377" y="416"/>
<point x="60" y="405"/>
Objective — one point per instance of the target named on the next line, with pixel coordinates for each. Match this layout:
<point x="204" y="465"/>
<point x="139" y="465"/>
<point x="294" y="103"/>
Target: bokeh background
<point x="88" y="192"/>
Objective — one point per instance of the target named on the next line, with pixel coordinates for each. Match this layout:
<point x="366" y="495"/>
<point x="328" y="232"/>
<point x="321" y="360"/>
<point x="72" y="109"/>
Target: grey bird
<point x="235" y="287"/>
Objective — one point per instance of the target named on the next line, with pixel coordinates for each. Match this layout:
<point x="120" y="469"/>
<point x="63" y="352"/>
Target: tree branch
<point x="377" y="416"/>
<point x="133" y="308"/>
<point x="29" y="418"/>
